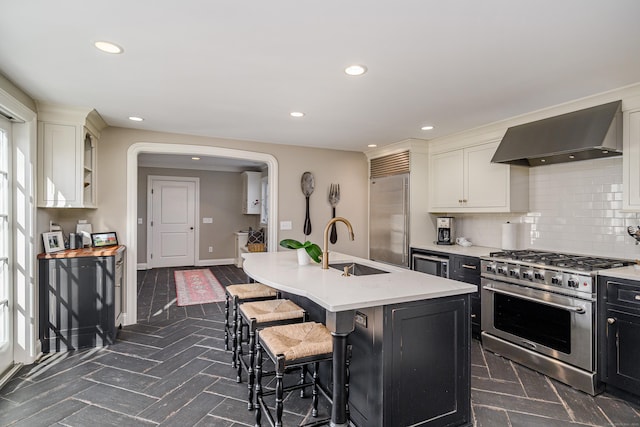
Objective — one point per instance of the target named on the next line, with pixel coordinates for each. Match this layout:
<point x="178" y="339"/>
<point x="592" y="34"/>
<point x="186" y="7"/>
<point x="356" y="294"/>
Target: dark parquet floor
<point x="171" y="369"/>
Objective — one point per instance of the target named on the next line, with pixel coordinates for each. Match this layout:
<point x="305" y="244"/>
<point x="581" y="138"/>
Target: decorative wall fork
<point x="334" y="198"/>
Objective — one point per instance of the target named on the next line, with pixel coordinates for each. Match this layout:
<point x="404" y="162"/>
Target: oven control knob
<point x="503" y="269"/>
<point x="527" y="274"/>
<point x="539" y="275"/>
<point x="490" y="267"/>
<point x="514" y="272"/>
<point x="573" y="282"/>
<point x="557" y="280"/>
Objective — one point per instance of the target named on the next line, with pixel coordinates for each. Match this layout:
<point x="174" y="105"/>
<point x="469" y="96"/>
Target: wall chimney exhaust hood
<point x="581" y="135"/>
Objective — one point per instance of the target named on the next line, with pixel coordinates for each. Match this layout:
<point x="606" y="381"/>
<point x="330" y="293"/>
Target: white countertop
<point x="629" y="272"/>
<point x="476" y="251"/>
<point x="334" y="292"/>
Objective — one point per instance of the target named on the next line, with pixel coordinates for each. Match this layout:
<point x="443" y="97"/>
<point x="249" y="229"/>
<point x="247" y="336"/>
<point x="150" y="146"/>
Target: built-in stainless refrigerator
<point x="389" y="219"/>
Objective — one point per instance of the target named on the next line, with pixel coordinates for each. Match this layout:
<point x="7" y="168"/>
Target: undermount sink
<point x="356" y="269"/>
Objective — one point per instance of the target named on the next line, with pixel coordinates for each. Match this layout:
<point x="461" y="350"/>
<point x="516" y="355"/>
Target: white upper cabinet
<point x="67" y="149"/>
<point x="465" y="180"/>
<point x="251" y="192"/>
<point x="631" y="161"/>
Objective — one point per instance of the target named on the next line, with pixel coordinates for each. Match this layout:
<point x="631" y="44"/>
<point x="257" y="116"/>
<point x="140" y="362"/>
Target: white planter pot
<point x="303" y="256"/>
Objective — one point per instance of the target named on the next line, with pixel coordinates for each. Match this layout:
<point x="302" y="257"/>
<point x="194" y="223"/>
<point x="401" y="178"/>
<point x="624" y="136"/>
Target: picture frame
<point x="53" y="241"/>
<point x="101" y="240"/>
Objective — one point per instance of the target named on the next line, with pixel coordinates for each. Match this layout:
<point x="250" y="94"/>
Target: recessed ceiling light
<point x="605" y="151"/>
<point x="108" y="47"/>
<point x="296" y="114"/>
<point x="572" y="156"/>
<point x="135" y="119"/>
<point x="426" y="127"/>
<point x="542" y="160"/>
<point x="372" y="145"/>
<point x="355" y="70"/>
<point x="195" y="158"/>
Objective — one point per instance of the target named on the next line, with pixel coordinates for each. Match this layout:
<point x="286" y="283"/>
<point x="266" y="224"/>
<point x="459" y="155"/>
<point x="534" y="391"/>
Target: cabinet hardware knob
<point x="473" y="316"/>
<point x="611" y="320"/>
<point x="637" y="297"/>
<point x="459" y="200"/>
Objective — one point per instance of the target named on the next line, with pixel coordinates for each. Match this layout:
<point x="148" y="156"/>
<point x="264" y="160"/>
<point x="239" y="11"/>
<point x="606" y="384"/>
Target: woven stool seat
<point x="261" y="314"/>
<point x="251" y="290"/>
<point x="297" y="341"/>
<point x="271" y="310"/>
<point x="292" y="346"/>
<point x="234" y="295"/>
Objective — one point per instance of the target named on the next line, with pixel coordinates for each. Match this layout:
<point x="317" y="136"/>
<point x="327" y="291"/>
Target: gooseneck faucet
<point x="325" y="246"/>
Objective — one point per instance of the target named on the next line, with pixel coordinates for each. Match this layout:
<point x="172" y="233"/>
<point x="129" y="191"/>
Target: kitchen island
<point x="409" y="335"/>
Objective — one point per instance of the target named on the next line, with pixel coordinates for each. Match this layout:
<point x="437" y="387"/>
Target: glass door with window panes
<point x="6" y="295"/>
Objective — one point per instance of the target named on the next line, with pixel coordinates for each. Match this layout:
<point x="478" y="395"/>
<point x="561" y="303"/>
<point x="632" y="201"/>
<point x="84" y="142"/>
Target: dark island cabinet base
<point x="77" y="302"/>
<point x="410" y="364"/>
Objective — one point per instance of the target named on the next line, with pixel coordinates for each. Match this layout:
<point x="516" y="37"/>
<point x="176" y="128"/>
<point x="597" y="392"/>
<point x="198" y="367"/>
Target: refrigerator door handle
<point x="405" y="213"/>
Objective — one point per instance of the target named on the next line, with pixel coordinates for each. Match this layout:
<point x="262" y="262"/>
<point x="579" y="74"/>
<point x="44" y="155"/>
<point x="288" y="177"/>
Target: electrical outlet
<point x="285" y="225"/>
<point x="207" y="220"/>
<point x="139" y="221"/>
<point x="210" y="249"/>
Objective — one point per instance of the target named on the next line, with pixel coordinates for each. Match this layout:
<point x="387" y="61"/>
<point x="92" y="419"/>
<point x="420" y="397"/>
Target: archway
<point x="131" y="311"/>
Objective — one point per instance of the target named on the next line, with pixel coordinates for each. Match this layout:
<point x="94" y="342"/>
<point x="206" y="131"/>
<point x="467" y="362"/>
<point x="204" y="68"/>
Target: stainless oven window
<point x="541" y="324"/>
<point x="558" y="326"/>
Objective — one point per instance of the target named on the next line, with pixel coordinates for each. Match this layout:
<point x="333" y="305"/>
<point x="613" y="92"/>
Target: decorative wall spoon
<point x="308" y="185"/>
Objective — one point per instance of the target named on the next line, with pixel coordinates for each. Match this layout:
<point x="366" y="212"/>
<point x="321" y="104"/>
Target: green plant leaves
<point x="291" y="244"/>
<point x="312" y="249"/>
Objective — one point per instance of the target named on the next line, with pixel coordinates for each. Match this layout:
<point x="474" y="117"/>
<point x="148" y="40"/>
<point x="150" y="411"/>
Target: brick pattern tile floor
<point x="171" y="369"/>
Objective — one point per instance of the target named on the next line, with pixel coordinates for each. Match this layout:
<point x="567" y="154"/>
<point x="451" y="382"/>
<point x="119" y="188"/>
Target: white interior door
<point x="172" y="221"/>
<point x="6" y="294"/>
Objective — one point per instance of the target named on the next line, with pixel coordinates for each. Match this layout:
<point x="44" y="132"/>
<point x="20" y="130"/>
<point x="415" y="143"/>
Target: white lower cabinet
<point x="465" y="180"/>
<point x="242" y="237"/>
<point x="631" y="161"/>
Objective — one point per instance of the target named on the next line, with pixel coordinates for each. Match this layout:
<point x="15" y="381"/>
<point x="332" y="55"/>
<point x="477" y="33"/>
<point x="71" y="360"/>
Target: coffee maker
<point x="445" y="230"/>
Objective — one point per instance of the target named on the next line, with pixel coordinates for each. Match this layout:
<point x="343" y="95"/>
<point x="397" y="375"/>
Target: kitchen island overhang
<point x="400" y="296"/>
<point x="334" y="292"/>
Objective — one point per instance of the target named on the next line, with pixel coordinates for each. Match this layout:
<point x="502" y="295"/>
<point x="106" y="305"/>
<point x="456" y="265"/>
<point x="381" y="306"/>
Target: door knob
<point x="190" y="228"/>
<point x="611" y="320"/>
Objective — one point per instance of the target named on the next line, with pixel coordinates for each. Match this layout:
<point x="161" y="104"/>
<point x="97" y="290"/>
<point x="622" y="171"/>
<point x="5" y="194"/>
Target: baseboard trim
<point x="201" y="263"/>
<point x="221" y="261"/>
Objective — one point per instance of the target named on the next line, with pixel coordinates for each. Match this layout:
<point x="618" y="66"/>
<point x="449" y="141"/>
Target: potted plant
<point x="305" y="250"/>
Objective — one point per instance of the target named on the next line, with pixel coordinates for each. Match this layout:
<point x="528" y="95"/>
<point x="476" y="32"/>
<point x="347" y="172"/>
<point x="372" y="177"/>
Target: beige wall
<point x="344" y="167"/>
<point x="220" y="199"/>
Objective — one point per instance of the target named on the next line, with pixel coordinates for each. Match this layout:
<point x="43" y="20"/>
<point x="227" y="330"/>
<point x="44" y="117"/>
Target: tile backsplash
<point x="574" y="207"/>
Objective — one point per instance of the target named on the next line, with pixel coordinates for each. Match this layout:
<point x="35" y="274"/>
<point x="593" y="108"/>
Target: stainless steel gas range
<point x="539" y="310"/>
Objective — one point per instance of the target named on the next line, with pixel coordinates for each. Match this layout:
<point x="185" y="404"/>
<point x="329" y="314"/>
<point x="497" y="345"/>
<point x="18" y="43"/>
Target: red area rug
<point x="197" y="287"/>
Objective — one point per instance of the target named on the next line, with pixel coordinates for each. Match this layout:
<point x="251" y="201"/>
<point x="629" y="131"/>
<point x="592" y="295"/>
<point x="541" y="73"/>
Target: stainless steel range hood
<point x="586" y="134"/>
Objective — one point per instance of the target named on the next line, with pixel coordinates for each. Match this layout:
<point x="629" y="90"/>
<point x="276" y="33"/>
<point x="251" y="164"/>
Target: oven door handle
<point x="579" y="310"/>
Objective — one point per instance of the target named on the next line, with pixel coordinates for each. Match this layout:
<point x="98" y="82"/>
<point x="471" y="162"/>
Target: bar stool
<point x="259" y="315"/>
<point x="291" y="346"/>
<point x="244" y="292"/>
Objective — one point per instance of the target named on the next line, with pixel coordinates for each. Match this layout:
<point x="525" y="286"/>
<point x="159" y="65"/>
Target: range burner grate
<point x="569" y="261"/>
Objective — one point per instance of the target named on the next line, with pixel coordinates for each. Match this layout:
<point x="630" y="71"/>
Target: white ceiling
<point x="235" y="69"/>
